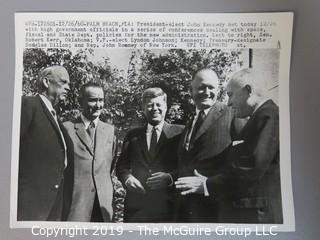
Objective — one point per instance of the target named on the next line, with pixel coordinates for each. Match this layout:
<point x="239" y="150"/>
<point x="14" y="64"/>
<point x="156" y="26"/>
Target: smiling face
<point x="205" y="89"/>
<point x="92" y="102"/>
<point x="155" y="109"/>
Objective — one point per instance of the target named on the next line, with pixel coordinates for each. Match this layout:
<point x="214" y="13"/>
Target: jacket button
<point x="56" y="186"/>
<point x="93" y="190"/>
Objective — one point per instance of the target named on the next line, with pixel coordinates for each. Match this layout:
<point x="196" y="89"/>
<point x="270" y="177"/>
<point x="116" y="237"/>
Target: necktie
<point x="153" y="143"/>
<point x="197" y="125"/>
<point x="90" y="131"/>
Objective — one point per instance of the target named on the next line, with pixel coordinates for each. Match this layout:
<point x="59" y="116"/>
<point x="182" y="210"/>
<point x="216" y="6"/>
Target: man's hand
<point x="135" y="185"/>
<point x="159" y="180"/>
<point x="192" y="184"/>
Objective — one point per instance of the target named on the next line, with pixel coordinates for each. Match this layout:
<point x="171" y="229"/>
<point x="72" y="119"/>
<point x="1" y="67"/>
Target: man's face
<point x="238" y="99"/>
<point x="205" y="88"/>
<point x="92" y="102"/>
<point x="155" y="110"/>
<point x="58" y="86"/>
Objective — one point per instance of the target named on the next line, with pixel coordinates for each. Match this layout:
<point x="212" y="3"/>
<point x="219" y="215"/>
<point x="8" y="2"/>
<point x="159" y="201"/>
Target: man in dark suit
<point x="148" y="162"/>
<point x="45" y="165"/>
<point x="94" y="150"/>
<point x="249" y="187"/>
<point x="202" y="150"/>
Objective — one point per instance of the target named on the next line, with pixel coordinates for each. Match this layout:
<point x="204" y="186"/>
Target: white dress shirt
<point x="87" y="122"/>
<point x="149" y="132"/>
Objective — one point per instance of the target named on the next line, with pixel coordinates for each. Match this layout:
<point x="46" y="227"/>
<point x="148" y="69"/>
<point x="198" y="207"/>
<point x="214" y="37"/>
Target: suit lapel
<point x="83" y="136"/>
<point x="251" y="119"/>
<point x="214" y="113"/>
<point x="51" y="119"/>
<point x="101" y="137"/>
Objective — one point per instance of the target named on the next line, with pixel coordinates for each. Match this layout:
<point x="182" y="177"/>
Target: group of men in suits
<point x="204" y="172"/>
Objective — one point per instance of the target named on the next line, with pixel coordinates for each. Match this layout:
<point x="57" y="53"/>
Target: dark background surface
<point x="304" y="102"/>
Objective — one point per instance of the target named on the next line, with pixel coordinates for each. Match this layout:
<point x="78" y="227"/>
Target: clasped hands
<point x="155" y="181"/>
<point x="187" y="185"/>
<point x="191" y="184"/>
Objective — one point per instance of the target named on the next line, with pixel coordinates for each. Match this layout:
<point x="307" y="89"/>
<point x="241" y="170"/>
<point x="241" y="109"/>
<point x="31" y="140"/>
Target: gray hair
<point x="49" y="73"/>
<point x="249" y="77"/>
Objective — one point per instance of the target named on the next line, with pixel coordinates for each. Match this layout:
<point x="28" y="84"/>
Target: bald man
<point x="249" y="187"/>
<point x="45" y="161"/>
<point x="202" y="150"/>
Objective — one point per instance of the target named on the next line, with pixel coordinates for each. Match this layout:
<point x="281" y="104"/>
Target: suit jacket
<point x="42" y="173"/>
<point x="93" y="166"/>
<point x="207" y="155"/>
<point x="249" y="188"/>
<point x="155" y="205"/>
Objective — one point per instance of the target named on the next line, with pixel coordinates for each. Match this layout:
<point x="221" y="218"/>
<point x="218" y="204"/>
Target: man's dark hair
<point x="87" y="85"/>
<point x="153" y="93"/>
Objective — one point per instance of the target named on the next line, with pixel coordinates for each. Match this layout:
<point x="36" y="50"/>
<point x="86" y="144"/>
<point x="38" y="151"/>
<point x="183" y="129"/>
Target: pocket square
<point x="234" y="143"/>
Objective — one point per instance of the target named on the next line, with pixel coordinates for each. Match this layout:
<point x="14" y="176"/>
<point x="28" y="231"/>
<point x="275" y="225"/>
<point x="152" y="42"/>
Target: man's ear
<point x="45" y="82"/>
<point x="248" y="88"/>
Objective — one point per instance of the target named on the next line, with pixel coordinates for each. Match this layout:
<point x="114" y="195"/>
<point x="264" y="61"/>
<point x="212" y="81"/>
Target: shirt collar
<point x="47" y="102"/>
<point x="87" y="122"/>
<point x="158" y="127"/>
<point x="204" y="110"/>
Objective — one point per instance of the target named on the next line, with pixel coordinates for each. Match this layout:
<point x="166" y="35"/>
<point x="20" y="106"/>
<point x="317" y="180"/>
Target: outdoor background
<point x="304" y="98"/>
<point x="125" y="74"/>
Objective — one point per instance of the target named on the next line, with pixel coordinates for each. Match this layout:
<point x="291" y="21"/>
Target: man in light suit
<point x="202" y="150"/>
<point x="45" y="163"/>
<point x="249" y="187"/>
<point x="148" y="163"/>
<point x="94" y="150"/>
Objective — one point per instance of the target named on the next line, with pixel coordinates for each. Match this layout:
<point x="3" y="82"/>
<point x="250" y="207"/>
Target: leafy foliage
<point x="172" y="70"/>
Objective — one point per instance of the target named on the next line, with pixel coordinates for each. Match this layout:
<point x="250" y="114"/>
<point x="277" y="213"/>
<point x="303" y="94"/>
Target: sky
<point x="119" y="58"/>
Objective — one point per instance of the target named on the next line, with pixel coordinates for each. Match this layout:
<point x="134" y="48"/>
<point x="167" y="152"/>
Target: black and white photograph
<point x="169" y="129"/>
